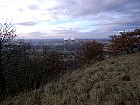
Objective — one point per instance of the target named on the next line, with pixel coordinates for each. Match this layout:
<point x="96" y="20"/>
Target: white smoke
<point x="67" y="37"/>
<point x="72" y="37"/>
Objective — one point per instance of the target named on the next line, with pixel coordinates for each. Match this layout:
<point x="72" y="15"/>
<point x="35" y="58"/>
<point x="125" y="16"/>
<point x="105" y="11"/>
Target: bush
<point x="128" y="42"/>
<point x="91" y="51"/>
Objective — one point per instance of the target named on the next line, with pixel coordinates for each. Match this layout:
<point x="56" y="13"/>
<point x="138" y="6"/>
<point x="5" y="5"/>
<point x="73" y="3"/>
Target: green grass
<point x="115" y="81"/>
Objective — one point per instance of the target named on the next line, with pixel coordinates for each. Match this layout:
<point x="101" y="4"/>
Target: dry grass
<point x="115" y="81"/>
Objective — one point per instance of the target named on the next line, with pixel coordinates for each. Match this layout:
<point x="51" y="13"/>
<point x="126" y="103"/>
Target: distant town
<point x="68" y="47"/>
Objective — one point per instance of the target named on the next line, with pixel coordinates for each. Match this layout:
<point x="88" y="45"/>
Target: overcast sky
<point x="78" y="18"/>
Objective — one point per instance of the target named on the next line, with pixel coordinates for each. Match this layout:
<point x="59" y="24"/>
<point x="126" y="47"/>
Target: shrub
<point x="91" y="51"/>
<point x="125" y="42"/>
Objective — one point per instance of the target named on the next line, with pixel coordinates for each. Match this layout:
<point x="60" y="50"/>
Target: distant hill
<point x="115" y="81"/>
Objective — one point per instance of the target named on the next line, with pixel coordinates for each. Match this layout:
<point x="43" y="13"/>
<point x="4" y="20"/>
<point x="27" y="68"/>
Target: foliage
<point x="92" y="51"/>
<point x="126" y="41"/>
<point x="22" y="68"/>
<point x="54" y="64"/>
<point x="7" y="34"/>
<point x="26" y="72"/>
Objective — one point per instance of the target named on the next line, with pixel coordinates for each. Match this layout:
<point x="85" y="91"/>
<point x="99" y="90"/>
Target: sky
<point x="45" y="19"/>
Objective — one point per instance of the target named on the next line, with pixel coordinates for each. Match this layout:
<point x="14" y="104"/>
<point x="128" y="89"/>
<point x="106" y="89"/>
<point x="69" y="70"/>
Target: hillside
<point x="115" y="81"/>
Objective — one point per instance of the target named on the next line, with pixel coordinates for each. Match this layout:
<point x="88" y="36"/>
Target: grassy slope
<point x="115" y="81"/>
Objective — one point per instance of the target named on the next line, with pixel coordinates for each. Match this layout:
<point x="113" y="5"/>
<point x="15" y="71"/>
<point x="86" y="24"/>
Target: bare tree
<point x="7" y="34"/>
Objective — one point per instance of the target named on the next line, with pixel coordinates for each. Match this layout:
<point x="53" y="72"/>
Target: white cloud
<point x="90" y="17"/>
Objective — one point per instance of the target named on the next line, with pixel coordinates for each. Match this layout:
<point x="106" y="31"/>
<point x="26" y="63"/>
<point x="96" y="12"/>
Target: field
<point x="115" y="81"/>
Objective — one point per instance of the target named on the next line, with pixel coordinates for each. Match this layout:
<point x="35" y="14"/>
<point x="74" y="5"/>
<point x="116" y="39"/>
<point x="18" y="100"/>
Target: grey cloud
<point x="70" y="31"/>
<point x="33" y="7"/>
<point x="77" y="34"/>
<point x="125" y="23"/>
<point x="94" y="7"/>
<point x="20" y="9"/>
<point x="27" y="23"/>
<point x="37" y="33"/>
<point x="93" y="34"/>
<point x="110" y="28"/>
